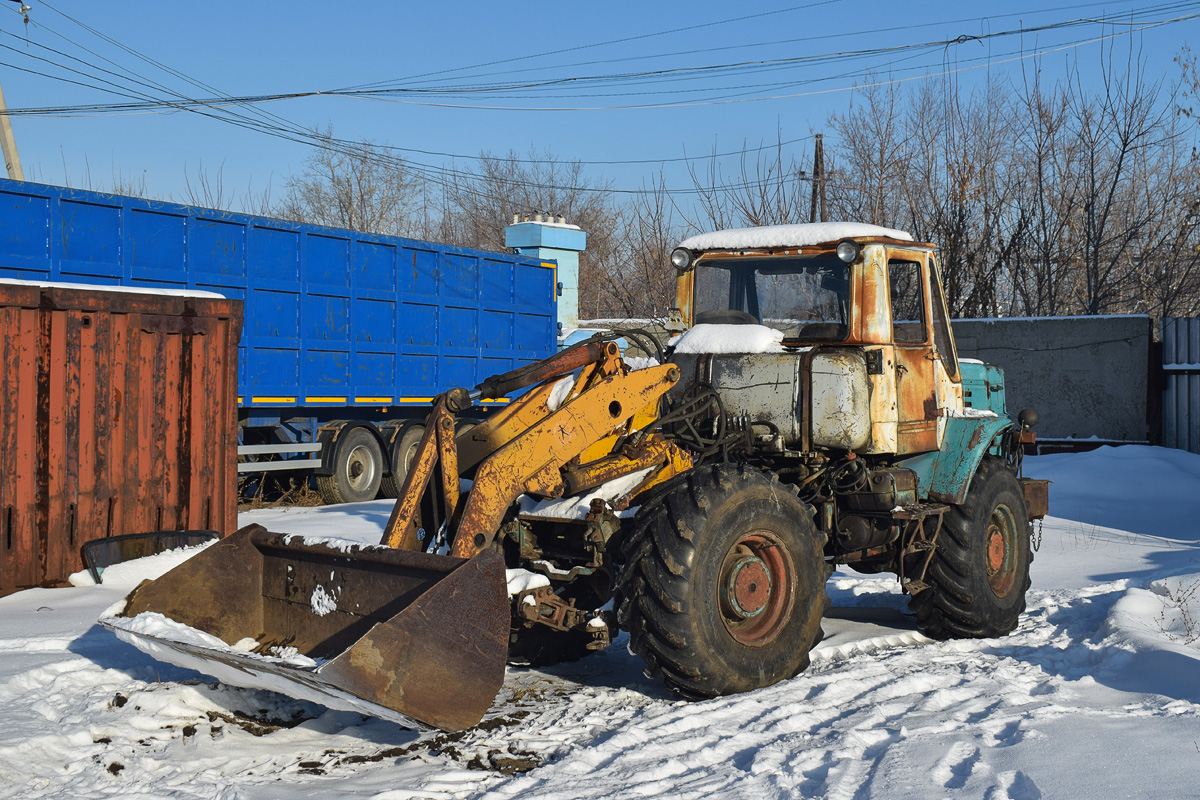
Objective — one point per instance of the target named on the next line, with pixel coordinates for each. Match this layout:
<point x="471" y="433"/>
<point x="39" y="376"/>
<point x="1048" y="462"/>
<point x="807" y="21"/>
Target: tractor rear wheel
<point x="723" y="585"/>
<point x="980" y="569"/>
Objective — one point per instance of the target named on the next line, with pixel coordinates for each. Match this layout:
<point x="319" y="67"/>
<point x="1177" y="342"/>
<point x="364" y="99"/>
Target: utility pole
<point x="818" y="181"/>
<point x="11" y="160"/>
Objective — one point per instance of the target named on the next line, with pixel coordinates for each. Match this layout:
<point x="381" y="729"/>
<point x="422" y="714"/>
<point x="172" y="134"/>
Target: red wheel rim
<point x="1000" y="554"/>
<point x="757" y="588"/>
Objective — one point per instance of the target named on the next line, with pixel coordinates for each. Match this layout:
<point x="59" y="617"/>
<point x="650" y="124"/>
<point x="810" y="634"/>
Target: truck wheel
<point x="357" y="469"/>
<point x="403" y="448"/>
<point x="723" y="586"/>
<point x="980" y="568"/>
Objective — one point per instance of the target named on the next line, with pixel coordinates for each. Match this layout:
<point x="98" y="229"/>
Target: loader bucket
<point x="402" y="635"/>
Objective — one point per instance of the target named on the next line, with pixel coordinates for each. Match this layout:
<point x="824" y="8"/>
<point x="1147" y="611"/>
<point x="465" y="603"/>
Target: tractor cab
<point x="870" y="292"/>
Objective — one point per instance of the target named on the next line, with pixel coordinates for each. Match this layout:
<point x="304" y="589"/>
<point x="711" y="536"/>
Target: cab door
<point x="916" y="382"/>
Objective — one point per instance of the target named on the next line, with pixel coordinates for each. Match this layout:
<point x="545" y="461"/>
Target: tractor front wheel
<point x="723" y="585"/>
<point x="980" y="569"/>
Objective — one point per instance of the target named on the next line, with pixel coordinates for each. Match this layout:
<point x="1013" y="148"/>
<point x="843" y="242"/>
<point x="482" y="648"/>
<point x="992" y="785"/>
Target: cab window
<point x="908" y="302"/>
<point x="806" y="297"/>
<point x="942" y="339"/>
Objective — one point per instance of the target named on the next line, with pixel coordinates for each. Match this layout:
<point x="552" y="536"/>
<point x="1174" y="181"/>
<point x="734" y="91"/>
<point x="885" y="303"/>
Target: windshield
<point x="803" y="296"/>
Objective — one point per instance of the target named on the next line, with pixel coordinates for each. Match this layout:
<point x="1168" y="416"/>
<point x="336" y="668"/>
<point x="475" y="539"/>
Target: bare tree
<point x="1047" y="194"/>
<point x="207" y="189"/>
<point x="768" y="189"/>
<point x="358" y="186"/>
<point x="959" y="189"/>
<point x="476" y="204"/>
<point x="641" y="281"/>
<point x="871" y="160"/>
<point x="1044" y="200"/>
<point x="1190" y="79"/>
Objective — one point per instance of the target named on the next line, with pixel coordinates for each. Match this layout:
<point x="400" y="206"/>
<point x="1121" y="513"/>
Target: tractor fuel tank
<point x="778" y="392"/>
<point x="841" y="400"/>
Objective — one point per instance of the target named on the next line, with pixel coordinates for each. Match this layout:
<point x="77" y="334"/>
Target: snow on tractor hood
<point x="706" y="338"/>
<point x="801" y="235"/>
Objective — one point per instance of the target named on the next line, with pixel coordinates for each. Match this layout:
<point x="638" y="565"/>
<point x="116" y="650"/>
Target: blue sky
<point x="752" y="85"/>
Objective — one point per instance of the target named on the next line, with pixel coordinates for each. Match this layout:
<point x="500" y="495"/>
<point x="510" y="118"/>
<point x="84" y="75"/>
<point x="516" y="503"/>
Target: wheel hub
<point x="1000" y="557"/>
<point x="995" y="550"/>
<point x="749" y="586"/>
<point x="360" y="468"/>
<point x="756" y="589"/>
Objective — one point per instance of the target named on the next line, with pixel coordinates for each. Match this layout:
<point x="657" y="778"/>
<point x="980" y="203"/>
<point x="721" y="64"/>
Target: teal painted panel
<point x="946" y="474"/>
<point x="983" y="387"/>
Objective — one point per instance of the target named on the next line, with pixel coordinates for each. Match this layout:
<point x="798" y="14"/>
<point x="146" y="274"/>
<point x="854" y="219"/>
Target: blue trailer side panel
<point x="332" y="317"/>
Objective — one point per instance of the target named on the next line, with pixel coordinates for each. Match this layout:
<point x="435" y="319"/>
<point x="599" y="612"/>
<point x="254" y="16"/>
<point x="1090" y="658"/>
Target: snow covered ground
<point x="1097" y="693"/>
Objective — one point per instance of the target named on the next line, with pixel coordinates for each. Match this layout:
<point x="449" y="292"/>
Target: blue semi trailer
<point x="347" y="336"/>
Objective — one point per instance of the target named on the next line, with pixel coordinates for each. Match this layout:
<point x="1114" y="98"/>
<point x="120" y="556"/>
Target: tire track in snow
<point x="940" y="717"/>
<point x="894" y="713"/>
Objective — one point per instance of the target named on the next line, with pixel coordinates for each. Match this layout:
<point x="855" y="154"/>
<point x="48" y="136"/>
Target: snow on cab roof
<point x="802" y="235"/>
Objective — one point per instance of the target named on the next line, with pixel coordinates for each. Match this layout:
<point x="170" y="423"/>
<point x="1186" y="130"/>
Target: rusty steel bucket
<point x="408" y="636"/>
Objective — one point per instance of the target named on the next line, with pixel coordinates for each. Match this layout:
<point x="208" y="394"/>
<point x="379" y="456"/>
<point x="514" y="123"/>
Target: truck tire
<point x="691" y="592"/>
<point x="403" y="448"/>
<point x="980" y="569"/>
<point x="357" y="468"/>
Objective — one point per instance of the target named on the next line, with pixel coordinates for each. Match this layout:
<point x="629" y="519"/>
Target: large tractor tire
<point x="980" y="569"/>
<point x="402" y="450"/>
<point x="357" y="468"/>
<point x="723" y="585"/>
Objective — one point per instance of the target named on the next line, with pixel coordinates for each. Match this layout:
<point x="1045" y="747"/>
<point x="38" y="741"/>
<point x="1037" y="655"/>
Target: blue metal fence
<point x="1181" y="369"/>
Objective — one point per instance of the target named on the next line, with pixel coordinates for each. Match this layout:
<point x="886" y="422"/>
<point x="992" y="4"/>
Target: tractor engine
<point x="792" y="401"/>
<point x="806" y="410"/>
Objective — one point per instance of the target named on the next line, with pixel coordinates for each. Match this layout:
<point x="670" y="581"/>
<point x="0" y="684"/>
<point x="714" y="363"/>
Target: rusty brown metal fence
<point x="117" y="415"/>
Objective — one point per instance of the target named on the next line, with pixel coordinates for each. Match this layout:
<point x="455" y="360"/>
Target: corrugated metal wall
<point x="117" y="415"/>
<point x="1181" y="370"/>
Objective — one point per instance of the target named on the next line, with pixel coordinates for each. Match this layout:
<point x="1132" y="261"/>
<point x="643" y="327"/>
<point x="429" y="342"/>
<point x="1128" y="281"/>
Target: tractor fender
<point x="328" y="435"/>
<point x="945" y="474"/>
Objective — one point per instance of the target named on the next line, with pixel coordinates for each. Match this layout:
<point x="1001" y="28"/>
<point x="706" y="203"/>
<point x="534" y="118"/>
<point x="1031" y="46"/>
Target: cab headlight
<point x="848" y="251"/>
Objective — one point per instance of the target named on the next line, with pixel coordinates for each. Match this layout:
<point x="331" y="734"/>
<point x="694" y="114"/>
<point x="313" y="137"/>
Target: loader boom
<point x="526" y="449"/>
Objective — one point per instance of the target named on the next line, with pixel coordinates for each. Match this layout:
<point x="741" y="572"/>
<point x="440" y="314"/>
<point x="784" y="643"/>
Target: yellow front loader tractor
<point x="810" y="411"/>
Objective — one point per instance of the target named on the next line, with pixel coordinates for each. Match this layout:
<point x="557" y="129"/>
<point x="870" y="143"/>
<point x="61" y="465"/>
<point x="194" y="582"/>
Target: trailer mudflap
<point x="403" y="635"/>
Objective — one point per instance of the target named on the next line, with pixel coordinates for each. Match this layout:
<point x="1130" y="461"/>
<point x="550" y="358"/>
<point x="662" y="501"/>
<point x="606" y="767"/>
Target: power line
<point x="219" y="107"/>
<point x="606" y="43"/>
<point x="856" y="33"/>
<point x="215" y="102"/>
<point x="704" y="70"/>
